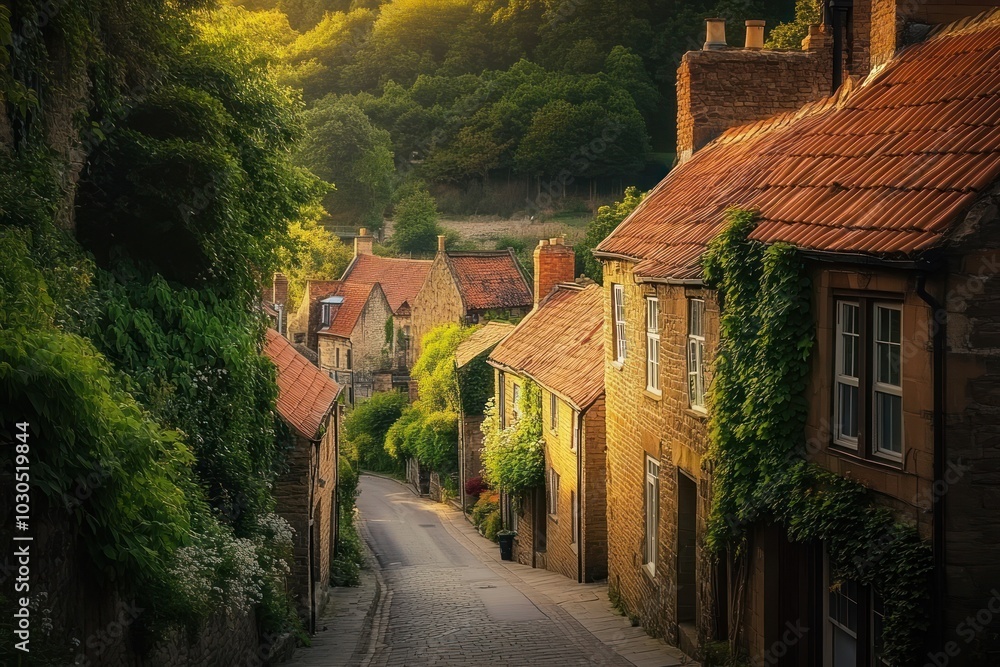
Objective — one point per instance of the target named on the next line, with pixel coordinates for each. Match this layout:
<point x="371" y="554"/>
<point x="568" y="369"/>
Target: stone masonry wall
<point x="717" y="90"/>
<point x="292" y="492"/>
<point x="368" y="343"/>
<point x="561" y="552"/>
<point x="437" y="302"/>
<point x="471" y="445"/>
<point x="594" y="513"/>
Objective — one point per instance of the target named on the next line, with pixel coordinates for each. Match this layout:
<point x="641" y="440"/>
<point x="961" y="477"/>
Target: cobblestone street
<point x="445" y="598"/>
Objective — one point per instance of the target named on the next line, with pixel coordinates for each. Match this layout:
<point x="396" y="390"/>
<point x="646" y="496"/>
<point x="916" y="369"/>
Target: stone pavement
<point x="442" y="596"/>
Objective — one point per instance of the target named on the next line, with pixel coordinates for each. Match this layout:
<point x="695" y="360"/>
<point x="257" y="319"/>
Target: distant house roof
<point x="489" y="279"/>
<point x="344" y="317"/>
<point x="560" y="345"/>
<point x="400" y="279"/>
<point x="305" y="395"/>
<point x="883" y="168"/>
<point x="483" y="339"/>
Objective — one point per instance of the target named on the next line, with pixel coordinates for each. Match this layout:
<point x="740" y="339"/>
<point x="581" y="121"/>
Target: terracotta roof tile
<point x="560" y="345"/>
<point x="400" y="279"/>
<point x="490" y="280"/>
<point x="305" y="395"/>
<point x="483" y="339"/>
<point x="344" y="316"/>
<point x="883" y="168"/>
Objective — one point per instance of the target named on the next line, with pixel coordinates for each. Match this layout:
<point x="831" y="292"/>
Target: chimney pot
<point x="755" y="34"/>
<point x="554" y="241"/>
<point x="441" y="242"/>
<point x="715" y="34"/>
<point x="543" y="242"/>
<point x="363" y="231"/>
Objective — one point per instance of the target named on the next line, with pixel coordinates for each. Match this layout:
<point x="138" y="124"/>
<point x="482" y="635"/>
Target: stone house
<point x="467" y="287"/>
<point x="307" y="491"/>
<point x="355" y="339"/>
<point x="400" y="280"/>
<point x="888" y="190"/>
<point x="471" y="366"/>
<point x="305" y="323"/>
<point x="559" y="346"/>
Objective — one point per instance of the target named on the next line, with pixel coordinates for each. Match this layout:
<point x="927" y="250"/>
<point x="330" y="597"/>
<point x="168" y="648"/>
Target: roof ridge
<point x="969" y="24"/>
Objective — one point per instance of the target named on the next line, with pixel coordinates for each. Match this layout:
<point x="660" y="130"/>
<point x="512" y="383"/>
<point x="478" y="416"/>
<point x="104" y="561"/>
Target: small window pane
<point x="889" y="422"/>
<point x="848" y="411"/>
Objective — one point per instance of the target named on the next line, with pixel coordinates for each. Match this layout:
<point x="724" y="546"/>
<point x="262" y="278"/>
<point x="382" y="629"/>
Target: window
<point x="553" y="412"/>
<point x="618" y="311"/>
<point x="574" y="504"/>
<point x="501" y="398"/>
<point x="696" y="353"/>
<point x="867" y="392"/>
<point x="404" y="343"/>
<point x="653" y="344"/>
<point x="652" y="513"/>
<point x="553" y="492"/>
<point x="842" y="617"/>
<point x="338" y="358"/>
<point x="348" y="359"/>
<point x="516" y="401"/>
<point x="846" y="396"/>
<point x="878" y="631"/>
<point x="325" y="310"/>
<point x="575" y="440"/>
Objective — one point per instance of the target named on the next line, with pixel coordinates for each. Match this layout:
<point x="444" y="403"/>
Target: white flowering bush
<point x="514" y="457"/>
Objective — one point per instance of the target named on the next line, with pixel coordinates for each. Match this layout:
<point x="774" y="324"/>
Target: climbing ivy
<point x="514" y="457"/>
<point x="760" y="407"/>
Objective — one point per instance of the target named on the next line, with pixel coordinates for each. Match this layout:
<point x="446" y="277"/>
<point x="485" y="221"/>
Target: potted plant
<point x="506" y="540"/>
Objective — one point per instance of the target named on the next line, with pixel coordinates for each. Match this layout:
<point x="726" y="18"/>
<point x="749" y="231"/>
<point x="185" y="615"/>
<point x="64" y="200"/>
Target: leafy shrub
<point x="492" y="525"/>
<point x="474" y="486"/>
<point x="347" y="484"/>
<point x="349" y="558"/>
<point x="514" y="457"/>
<point x="365" y="430"/>
<point x="486" y="505"/>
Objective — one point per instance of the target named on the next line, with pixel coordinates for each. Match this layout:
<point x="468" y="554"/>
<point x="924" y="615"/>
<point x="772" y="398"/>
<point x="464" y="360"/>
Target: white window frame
<point x="882" y="387"/>
<point x="574" y="440"/>
<point x="653" y="345"/>
<point x="618" y="313"/>
<point x="574" y="502"/>
<point x="847" y="380"/>
<point x="553" y="412"/>
<point x="652" y="512"/>
<point x="696" y="357"/>
<point x="325" y="314"/>
<point x="502" y="398"/>
<point x="553" y="493"/>
<point x="516" y="401"/>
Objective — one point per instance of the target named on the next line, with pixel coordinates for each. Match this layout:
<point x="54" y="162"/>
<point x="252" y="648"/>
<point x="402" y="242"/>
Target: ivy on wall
<point x="760" y="406"/>
<point x="514" y="457"/>
<point x="475" y="384"/>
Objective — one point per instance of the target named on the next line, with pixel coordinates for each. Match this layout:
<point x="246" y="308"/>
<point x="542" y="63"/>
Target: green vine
<point x="760" y="406"/>
<point x="514" y="457"/>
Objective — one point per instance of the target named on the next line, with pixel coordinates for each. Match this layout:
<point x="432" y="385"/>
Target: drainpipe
<point x="839" y="14"/>
<point x="938" y="342"/>
<point x="579" y="497"/>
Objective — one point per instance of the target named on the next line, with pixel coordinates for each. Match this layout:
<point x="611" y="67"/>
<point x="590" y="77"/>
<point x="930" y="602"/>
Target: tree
<point x="342" y="146"/>
<point x="415" y="223"/>
<point x="789" y="35"/>
<point x="315" y="253"/>
<point x="366" y="426"/>
<point x="608" y="218"/>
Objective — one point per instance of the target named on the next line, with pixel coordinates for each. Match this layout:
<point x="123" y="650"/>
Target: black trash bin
<point x="506" y="546"/>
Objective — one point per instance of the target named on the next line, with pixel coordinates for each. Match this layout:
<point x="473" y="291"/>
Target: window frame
<point x="847" y="380"/>
<point x="651" y="507"/>
<point x="515" y="401"/>
<point x="697" y="341"/>
<point x="553" y="413"/>
<point x="619" y="330"/>
<point x="502" y="398"/>
<point x="553" y="508"/>
<point x="867" y="445"/>
<point x="324" y="314"/>
<point x="653" y="341"/>
<point x="574" y="508"/>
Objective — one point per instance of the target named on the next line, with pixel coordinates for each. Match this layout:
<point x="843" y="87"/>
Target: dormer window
<point x="326" y="309"/>
<point x="326" y="315"/>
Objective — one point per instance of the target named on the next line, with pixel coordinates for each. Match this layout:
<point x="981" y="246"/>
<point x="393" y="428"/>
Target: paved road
<point x="444" y="604"/>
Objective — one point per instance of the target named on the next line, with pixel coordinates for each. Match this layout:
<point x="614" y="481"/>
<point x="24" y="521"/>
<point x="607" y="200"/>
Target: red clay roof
<point x="884" y="168"/>
<point x="560" y="345"/>
<point x="344" y="317"/>
<point x="400" y="279"/>
<point x="483" y="339"/>
<point x="305" y="395"/>
<point x="489" y="279"/>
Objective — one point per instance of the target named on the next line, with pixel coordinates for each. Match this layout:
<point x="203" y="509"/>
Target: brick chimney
<point x="441" y="243"/>
<point x="279" y="289"/>
<point x="363" y="243"/>
<point x="719" y="88"/>
<point x="555" y="262"/>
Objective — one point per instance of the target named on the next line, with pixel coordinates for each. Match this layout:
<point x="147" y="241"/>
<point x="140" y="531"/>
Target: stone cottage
<point x="306" y="321"/>
<point x="467" y="287"/>
<point x="888" y="190"/>
<point x="355" y="337"/>
<point x="400" y="280"/>
<point x="472" y="370"/>
<point x="307" y="491"/>
<point x="559" y="345"/>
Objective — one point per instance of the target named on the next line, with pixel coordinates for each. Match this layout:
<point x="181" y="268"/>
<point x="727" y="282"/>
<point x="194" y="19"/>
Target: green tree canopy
<point x="415" y="222"/>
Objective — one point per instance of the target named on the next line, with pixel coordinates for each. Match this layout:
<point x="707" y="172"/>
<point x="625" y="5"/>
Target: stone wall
<point x="437" y="302"/>
<point x="293" y="492"/>
<point x="594" y="512"/>
<point x="561" y="550"/>
<point x="470" y="438"/>
<point x="717" y="90"/>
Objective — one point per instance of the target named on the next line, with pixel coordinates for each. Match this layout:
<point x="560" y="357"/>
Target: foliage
<point x="343" y="147"/>
<point x="345" y="568"/>
<point x="759" y="401"/>
<point x="347" y="484"/>
<point x="475" y="384"/>
<point x="314" y="254"/>
<point x="514" y="457"/>
<point x="487" y="504"/>
<point x="492" y="524"/>
<point x="366" y="427"/>
<point x="474" y="486"/>
<point x="415" y="223"/>
<point x="607" y="219"/>
<point x="790" y="35"/>
<point x="428" y="430"/>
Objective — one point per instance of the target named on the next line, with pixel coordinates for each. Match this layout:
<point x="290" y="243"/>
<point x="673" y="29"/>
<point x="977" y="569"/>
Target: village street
<point x="447" y="599"/>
